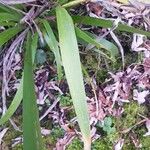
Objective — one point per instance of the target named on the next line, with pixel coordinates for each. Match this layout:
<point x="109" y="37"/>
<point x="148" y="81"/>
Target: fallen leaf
<point x="140" y="96"/>
<point x="119" y="144"/>
<point x="2" y="133"/>
<point x="148" y="128"/>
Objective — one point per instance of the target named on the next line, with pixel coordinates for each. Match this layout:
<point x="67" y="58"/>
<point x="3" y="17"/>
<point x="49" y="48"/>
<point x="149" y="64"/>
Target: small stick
<point x="14" y="2"/>
<point x="138" y="123"/>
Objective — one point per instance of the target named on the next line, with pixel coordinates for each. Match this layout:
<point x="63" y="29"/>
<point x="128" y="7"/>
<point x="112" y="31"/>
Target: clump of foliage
<point x="34" y="28"/>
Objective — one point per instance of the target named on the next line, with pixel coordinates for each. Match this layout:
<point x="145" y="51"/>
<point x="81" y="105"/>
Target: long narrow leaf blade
<point x="6" y="9"/>
<point x="8" y="34"/>
<point x="14" y="104"/>
<point x="108" y="24"/>
<point x="31" y="127"/>
<point x="113" y="50"/>
<point x="9" y="17"/>
<point x="19" y="94"/>
<point x="53" y="44"/>
<point x="72" y="67"/>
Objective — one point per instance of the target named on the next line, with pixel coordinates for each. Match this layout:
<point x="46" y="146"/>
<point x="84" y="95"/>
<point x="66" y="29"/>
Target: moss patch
<point x="130" y="116"/>
<point x="75" y="145"/>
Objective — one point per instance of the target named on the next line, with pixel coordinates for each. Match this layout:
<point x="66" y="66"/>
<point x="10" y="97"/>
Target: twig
<point x="120" y="47"/>
<point x="49" y="109"/>
<point x="138" y="123"/>
<point x="14" y="125"/>
<point x="74" y="3"/>
<point x="2" y="133"/>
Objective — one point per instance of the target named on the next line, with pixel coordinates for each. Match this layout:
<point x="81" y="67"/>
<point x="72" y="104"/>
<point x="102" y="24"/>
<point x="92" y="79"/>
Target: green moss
<point x="71" y="114"/>
<point x="111" y="138"/>
<point x="128" y="145"/>
<point x="130" y="116"/>
<point x="11" y="134"/>
<point x="101" y="75"/>
<point x="101" y="144"/>
<point x="145" y="141"/>
<point x="131" y="58"/>
<point x="50" y="141"/>
<point x="57" y="132"/>
<point x="48" y="124"/>
<point x="105" y="143"/>
<point x="65" y="101"/>
<point x="75" y="145"/>
<point x="18" y="147"/>
<point x="91" y="62"/>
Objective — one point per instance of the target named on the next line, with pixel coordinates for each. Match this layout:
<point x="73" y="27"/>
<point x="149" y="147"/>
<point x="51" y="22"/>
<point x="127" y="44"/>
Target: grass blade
<point x="34" y="45"/>
<point x="73" y="3"/>
<point x="108" y="24"/>
<point x="10" y="10"/>
<point x="53" y="45"/>
<point x="8" y="34"/>
<point x="9" y="17"/>
<point x="102" y="44"/>
<point x="72" y="66"/>
<point x="8" y="24"/>
<point x="14" y="104"/>
<point x="19" y="94"/>
<point x="31" y="128"/>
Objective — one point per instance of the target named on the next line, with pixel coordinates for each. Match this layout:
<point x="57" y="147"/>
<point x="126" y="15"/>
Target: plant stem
<point x="73" y="3"/>
<point x="87" y="143"/>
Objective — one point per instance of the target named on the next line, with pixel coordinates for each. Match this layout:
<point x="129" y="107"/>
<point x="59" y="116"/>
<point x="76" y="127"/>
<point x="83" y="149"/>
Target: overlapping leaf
<point x="53" y="44"/>
<point x="72" y="67"/>
<point x="31" y="128"/>
<point x="108" y="24"/>
<point x="19" y="94"/>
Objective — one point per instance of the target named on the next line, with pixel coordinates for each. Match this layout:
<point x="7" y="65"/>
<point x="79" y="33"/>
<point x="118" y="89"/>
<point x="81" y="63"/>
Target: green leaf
<point x="107" y="125"/>
<point x="72" y="66"/>
<point x="14" y="104"/>
<point x="7" y="24"/>
<point x="6" y="35"/>
<point x="73" y="3"/>
<point x="100" y="44"/>
<point x="108" y="24"/>
<point x="34" y="46"/>
<point x="19" y="94"/>
<point x="9" y="10"/>
<point x="32" y="139"/>
<point x="113" y="49"/>
<point x="4" y="8"/>
<point x="109" y="129"/>
<point x="53" y="45"/>
<point x="40" y="56"/>
<point x="107" y="121"/>
<point x="62" y="1"/>
<point x="9" y="17"/>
